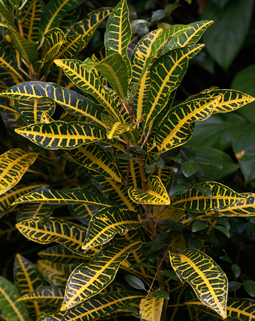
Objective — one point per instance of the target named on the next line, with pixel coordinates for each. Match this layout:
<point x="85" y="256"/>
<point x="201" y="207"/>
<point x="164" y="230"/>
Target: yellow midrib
<point x="54" y="15"/>
<point x="204" y="197"/>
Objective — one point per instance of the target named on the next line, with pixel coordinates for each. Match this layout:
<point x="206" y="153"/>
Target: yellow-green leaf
<point x="13" y="165"/>
<point x="88" y="81"/>
<point x="33" y="11"/>
<point x="166" y="75"/>
<point x="94" y="157"/>
<point x="101" y="306"/>
<point x="108" y="222"/>
<point x="51" y="295"/>
<point x="8" y="63"/>
<point x="229" y="99"/>
<point x="11" y="309"/>
<point x="156" y="193"/>
<point x="115" y="128"/>
<point x="207" y="279"/>
<point x="195" y="201"/>
<point x="62" y="135"/>
<point x="89" y="279"/>
<point x="151" y="309"/>
<point x="175" y="129"/>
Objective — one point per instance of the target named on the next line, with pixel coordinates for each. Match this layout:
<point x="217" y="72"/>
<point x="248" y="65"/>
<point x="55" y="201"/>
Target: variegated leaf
<point x="9" y="64"/>
<point x="95" y="158"/>
<point x="207" y="279"/>
<point x="230" y="99"/>
<point x="10" y="196"/>
<point x="53" y="41"/>
<point x="166" y="75"/>
<point x="89" y="279"/>
<point x="33" y="11"/>
<point x="48" y="195"/>
<point x="173" y="214"/>
<point x="60" y="254"/>
<point x="34" y="210"/>
<point x="115" y="128"/>
<point x="101" y="306"/>
<point x="189" y="37"/>
<point x="73" y="103"/>
<point x="13" y="165"/>
<point x="175" y="129"/>
<point x="11" y="309"/>
<point x="51" y="295"/>
<point x="88" y="81"/>
<point x="27" y="278"/>
<point x="55" y="316"/>
<point x="195" y="201"/>
<point x="108" y="222"/>
<point x="151" y="309"/>
<point x="83" y="212"/>
<point x="156" y="193"/>
<point x="31" y="110"/>
<point x="66" y="233"/>
<point x="118" y="33"/>
<point x="70" y="20"/>
<point x="62" y="135"/>
<point x="55" y="273"/>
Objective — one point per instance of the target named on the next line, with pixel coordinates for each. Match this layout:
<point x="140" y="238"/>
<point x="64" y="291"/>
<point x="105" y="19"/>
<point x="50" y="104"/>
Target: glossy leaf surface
<point x="115" y="128"/>
<point x="60" y="254"/>
<point x="151" y="308"/>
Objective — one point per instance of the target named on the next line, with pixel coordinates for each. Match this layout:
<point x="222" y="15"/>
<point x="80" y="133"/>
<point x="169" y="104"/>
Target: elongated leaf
<point x="115" y="128"/>
<point x="156" y="194"/>
<point x="89" y="82"/>
<point x="230" y="99"/>
<point x="89" y="279"/>
<point x="83" y="212"/>
<point x="190" y="36"/>
<point x="14" y="164"/>
<point x="48" y="195"/>
<point x="8" y="63"/>
<point x="195" y="201"/>
<point x="27" y="278"/>
<point x="73" y="103"/>
<point x="107" y="223"/>
<point x="9" y="197"/>
<point x="51" y="295"/>
<point x="53" y="41"/>
<point x="34" y="210"/>
<point x="54" y="12"/>
<point x="55" y="316"/>
<point x="31" y="110"/>
<point x="114" y="69"/>
<point x="62" y="135"/>
<point x="118" y="33"/>
<point x="151" y="308"/>
<point x="31" y="23"/>
<point x="95" y="158"/>
<point x="66" y="233"/>
<point x="9" y="306"/>
<point x="6" y="16"/>
<point x="60" y="254"/>
<point x="166" y="75"/>
<point x="26" y="48"/>
<point x="175" y="129"/>
<point x="87" y="26"/>
<point x="208" y="281"/>
<point x="102" y="305"/>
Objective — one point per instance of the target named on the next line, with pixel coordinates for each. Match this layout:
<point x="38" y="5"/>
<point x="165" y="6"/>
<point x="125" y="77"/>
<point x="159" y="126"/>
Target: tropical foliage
<point x="101" y="172"/>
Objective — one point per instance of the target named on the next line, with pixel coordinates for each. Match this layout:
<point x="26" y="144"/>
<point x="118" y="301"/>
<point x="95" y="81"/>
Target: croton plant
<point x="92" y="170"/>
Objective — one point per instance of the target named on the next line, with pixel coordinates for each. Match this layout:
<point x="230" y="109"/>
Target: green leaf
<point x="178" y="124"/>
<point x="158" y="15"/>
<point x="226" y="258"/>
<point x="9" y="306"/>
<point x="55" y="230"/>
<point x="249" y="287"/>
<point x="89" y="279"/>
<point x="206" y="190"/>
<point x="89" y="82"/>
<point x="73" y="103"/>
<point x="160" y="294"/>
<point x="198" y="226"/>
<point x="179" y="189"/>
<point x="166" y="75"/>
<point x="226" y="37"/>
<point x="50" y="295"/>
<point x="233" y="286"/>
<point x="156" y="193"/>
<point x="8" y="63"/>
<point x="189" y="168"/>
<point x="108" y="222"/>
<point x="208" y="281"/>
<point x="115" y="128"/>
<point x="33" y="11"/>
<point x="236" y="270"/>
<point x="170" y="274"/>
<point x="60" y="254"/>
<point x="34" y="210"/>
<point x="62" y="135"/>
<point x="54" y="12"/>
<point x="195" y="201"/>
<point x="118" y="33"/>
<point x="14" y="164"/>
<point x="101" y="305"/>
<point x="222" y="229"/>
<point x="55" y="316"/>
<point x="135" y="282"/>
<point x="6" y="16"/>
